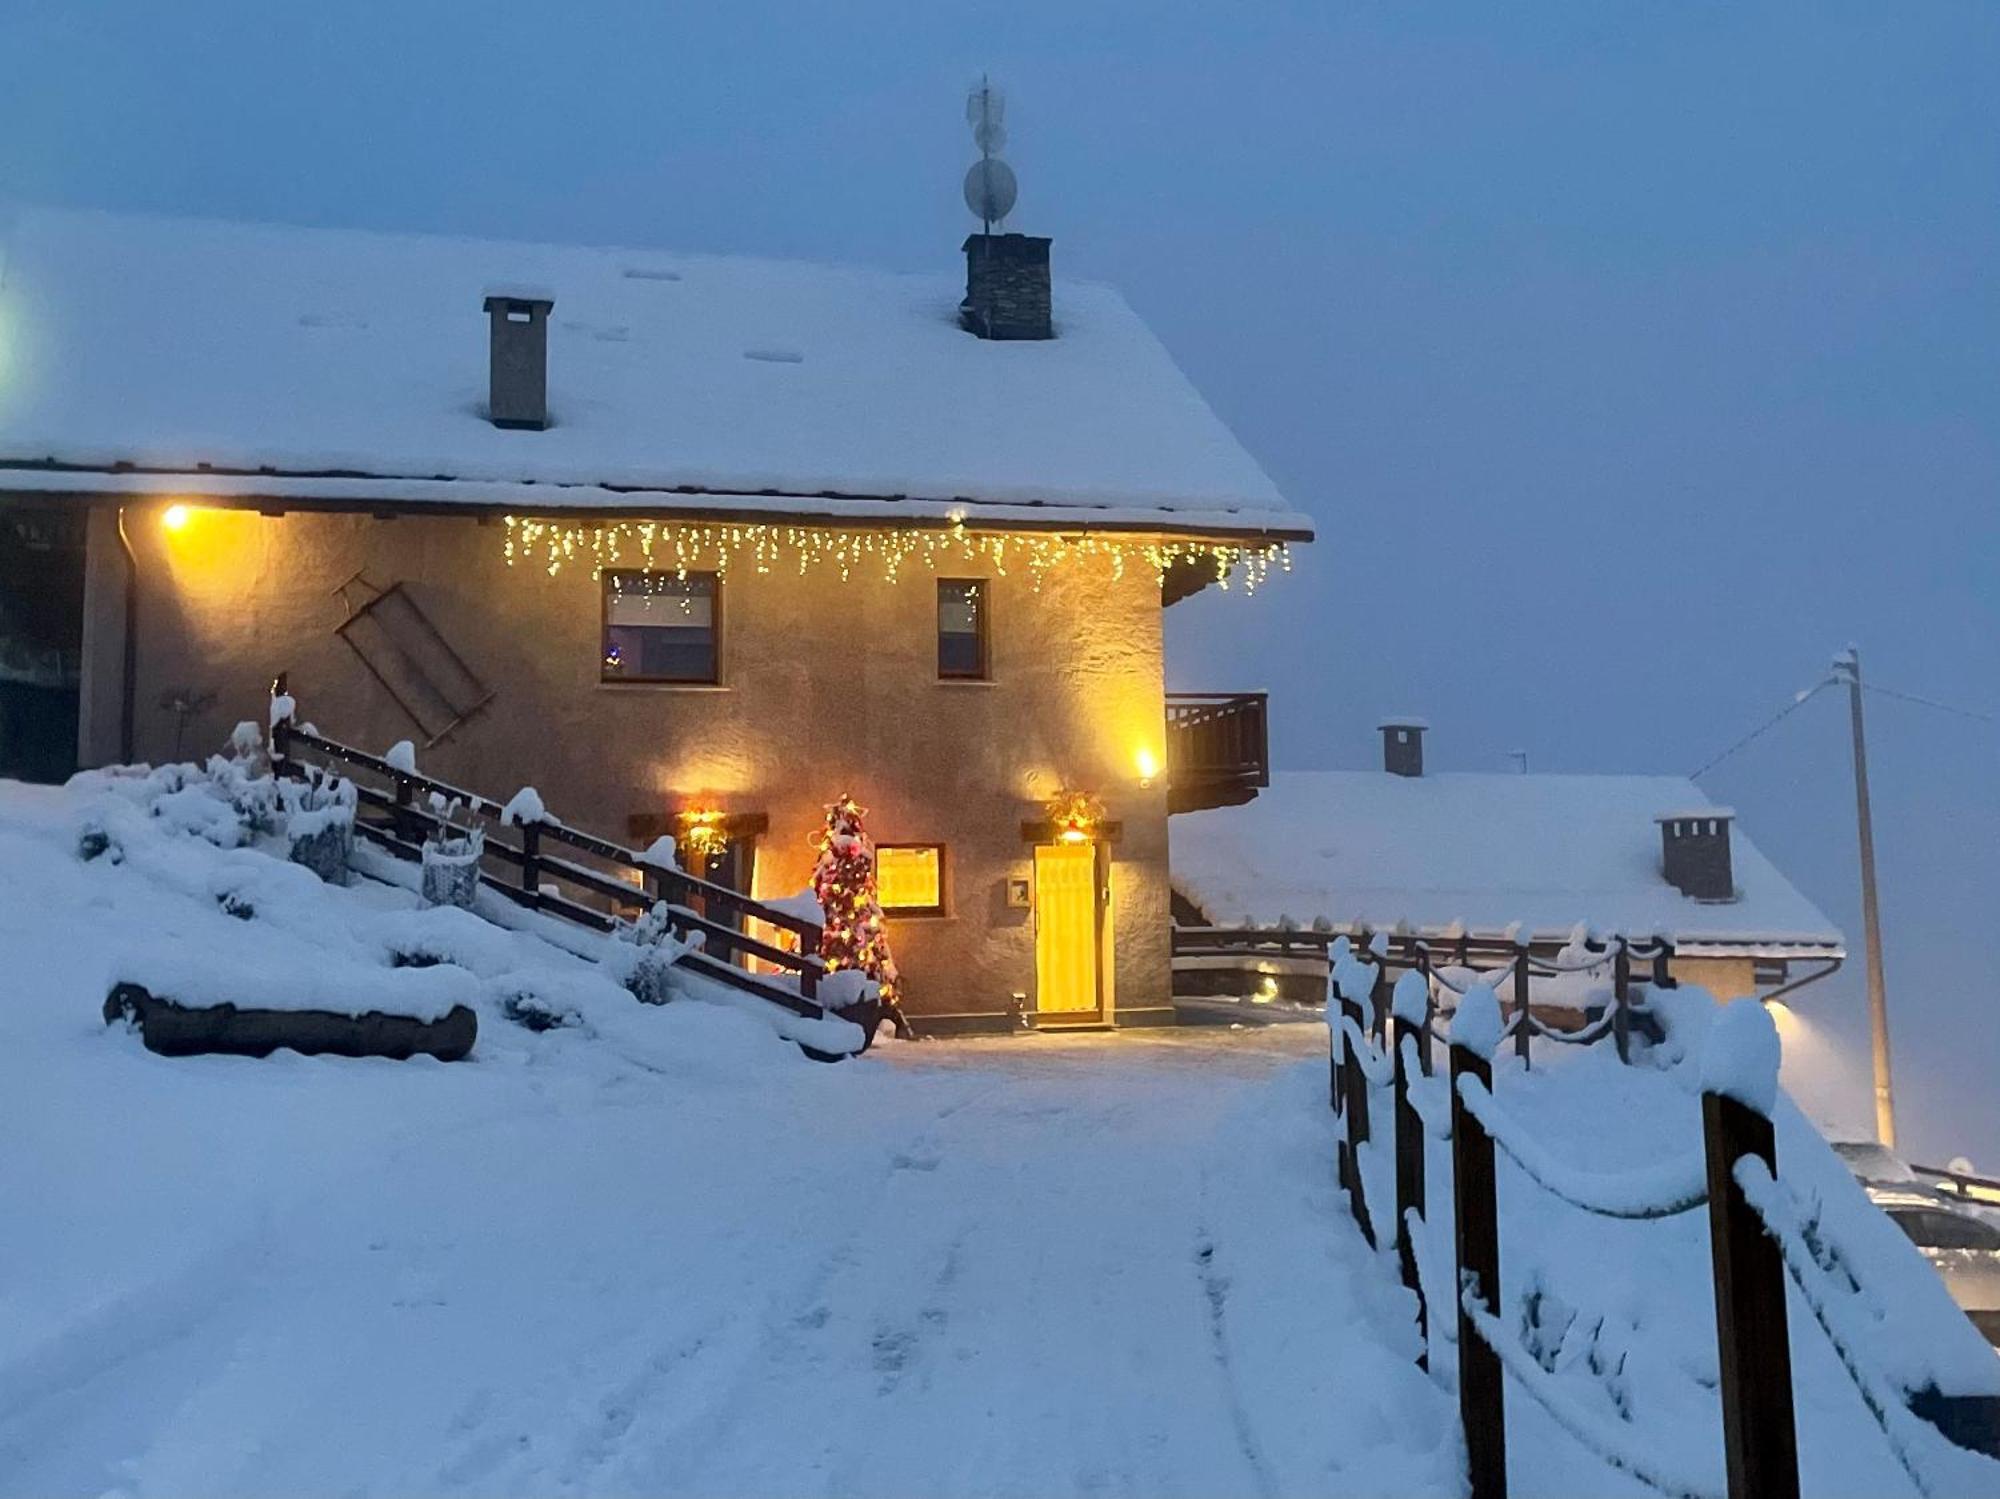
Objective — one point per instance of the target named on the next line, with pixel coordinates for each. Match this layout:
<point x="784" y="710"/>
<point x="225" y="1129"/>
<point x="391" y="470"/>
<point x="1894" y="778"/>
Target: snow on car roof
<point x="181" y="344"/>
<point x="1431" y="852"/>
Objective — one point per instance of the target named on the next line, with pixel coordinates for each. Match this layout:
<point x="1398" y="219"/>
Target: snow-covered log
<point x="177" y="1030"/>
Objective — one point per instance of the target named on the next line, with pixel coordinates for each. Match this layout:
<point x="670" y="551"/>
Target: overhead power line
<point x="1927" y="702"/>
<point x="1798" y="702"/>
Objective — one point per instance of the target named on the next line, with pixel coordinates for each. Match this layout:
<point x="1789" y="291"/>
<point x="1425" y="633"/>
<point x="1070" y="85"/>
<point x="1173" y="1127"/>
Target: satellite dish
<point x="990" y="189"/>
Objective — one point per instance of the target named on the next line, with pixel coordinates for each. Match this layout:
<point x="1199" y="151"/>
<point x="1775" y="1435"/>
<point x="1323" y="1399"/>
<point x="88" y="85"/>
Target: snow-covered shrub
<point x="94" y="841"/>
<point x="532" y="1011"/>
<point x="243" y="778"/>
<point x="319" y="823"/>
<point x="648" y="976"/>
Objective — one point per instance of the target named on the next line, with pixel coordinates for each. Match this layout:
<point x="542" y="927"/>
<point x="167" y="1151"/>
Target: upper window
<point x="961" y="626"/>
<point x="661" y="627"/>
<point x="909" y="878"/>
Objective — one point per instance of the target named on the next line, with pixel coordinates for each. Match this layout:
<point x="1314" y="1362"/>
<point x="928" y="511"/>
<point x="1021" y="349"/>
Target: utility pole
<point x="1847" y="668"/>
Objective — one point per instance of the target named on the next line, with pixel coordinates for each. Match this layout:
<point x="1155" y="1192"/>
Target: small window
<point x="962" y="628"/>
<point x="909" y="878"/>
<point x="661" y="627"/>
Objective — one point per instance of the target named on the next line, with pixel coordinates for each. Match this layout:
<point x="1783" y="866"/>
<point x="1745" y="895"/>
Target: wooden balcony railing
<point x="1218" y="749"/>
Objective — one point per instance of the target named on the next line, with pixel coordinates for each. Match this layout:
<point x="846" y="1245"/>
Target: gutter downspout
<point x="129" y="683"/>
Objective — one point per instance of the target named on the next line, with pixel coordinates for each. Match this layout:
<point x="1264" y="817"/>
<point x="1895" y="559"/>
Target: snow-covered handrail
<point x="1375" y="1065"/>
<point x="1427" y="1097"/>
<point x="1906" y="1432"/>
<point x="1599" y="1435"/>
<point x="1491" y="977"/>
<point x="1648" y="1192"/>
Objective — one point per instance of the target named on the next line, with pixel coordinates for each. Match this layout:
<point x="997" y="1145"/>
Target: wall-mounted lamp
<point x="176" y="517"/>
<point x="702" y="833"/>
<point x="1149" y="766"/>
<point x="1075" y="815"/>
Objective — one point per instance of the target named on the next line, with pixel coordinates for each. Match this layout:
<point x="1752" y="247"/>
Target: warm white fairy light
<point x="716" y="546"/>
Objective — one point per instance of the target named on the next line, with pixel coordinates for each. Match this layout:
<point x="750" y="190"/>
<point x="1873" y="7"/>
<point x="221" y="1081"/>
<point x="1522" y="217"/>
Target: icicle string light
<point x="718" y="546"/>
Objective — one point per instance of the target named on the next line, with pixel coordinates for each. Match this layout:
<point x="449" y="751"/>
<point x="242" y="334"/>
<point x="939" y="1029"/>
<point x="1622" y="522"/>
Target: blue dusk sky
<point x="1631" y="358"/>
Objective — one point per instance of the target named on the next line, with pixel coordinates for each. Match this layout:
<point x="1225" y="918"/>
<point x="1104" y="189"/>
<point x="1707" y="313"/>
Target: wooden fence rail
<point x="1753" y="1339"/>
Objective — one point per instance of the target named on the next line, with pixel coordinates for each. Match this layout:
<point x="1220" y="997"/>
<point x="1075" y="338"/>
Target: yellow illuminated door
<point x="1068" y="929"/>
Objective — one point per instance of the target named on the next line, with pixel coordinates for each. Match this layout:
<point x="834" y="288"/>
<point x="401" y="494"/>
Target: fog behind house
<point x="1631" y="361"/>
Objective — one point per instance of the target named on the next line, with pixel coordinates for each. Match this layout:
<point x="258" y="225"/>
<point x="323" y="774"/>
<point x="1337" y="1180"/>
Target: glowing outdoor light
<point x="176" y="517"/>
<point x="1149" y="766"/>
<point x="1076" y="815"/>
<point x="703" y="833"/>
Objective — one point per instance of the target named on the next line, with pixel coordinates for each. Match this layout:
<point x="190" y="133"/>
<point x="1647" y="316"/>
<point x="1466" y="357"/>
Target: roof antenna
<point x="990" y="187"/>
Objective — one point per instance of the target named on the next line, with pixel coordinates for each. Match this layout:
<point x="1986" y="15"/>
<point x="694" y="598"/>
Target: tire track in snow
<point x="1215" y="1292"/>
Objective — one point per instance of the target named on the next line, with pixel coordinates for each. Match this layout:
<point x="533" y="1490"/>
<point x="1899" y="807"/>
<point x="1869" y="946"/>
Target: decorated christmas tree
<point x="844" y="883"/>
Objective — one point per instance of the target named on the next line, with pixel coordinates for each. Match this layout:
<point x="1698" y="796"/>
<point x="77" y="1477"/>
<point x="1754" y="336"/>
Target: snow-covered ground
<point x="660" y="1252"/>
<point x="657" y="1251"/>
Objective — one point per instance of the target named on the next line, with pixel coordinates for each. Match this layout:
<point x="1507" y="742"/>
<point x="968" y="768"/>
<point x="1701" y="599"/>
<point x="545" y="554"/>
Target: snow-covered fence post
<point x="526" y="812"/>
<point x="531" y="864"/>
<point x="1522" y="1029"/>
<point x="1475" y="1035"/>
<point x="1378" y="993"/>
<point x="1739" y="1086"/>
<point x="1621" y="999"/>
<point x="1354" y="1107"/>
<point x="1335" y="1051"/>
<point x="1409" y="1035"/>
<point x="282" y="710"/>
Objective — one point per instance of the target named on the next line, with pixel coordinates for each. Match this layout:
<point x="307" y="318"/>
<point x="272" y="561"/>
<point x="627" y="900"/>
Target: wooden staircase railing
<point x="693" y="904"/>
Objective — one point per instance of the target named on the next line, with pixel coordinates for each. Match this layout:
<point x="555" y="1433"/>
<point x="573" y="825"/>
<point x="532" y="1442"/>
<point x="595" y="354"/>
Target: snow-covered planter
<point x="319" y="823"/>
<point x="451" y="870"/>
<point x="852" y="995"/>
<point x="451" y="859"/>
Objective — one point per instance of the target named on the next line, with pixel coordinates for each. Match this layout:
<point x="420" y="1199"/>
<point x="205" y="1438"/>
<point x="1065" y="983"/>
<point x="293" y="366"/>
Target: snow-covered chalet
<point x="1489" y="857"/>
<point x="691" y="544"/>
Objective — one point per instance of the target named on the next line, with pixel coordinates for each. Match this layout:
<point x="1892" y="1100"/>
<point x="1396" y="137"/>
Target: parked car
<point x="1963" y="1246"/>
<point x="1873" y="1164"/>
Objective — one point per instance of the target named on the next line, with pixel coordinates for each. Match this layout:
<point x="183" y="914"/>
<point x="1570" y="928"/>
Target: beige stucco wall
<point x="1725" y="978"/>
<point x="827" y="687"/>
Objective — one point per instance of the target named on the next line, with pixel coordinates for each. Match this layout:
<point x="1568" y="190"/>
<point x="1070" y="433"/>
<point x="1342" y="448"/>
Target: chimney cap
<point x="1403" y="721"/>
<point x="506" y="292"/>
<point x="1698" y="814"/>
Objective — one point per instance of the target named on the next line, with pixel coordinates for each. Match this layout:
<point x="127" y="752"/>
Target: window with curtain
<point x="661" y="627"/>
<point x="909" y="878"/>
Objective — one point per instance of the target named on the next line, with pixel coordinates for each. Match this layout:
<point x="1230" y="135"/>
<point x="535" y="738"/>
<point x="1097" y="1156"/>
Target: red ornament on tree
<point x="844" y="883"/>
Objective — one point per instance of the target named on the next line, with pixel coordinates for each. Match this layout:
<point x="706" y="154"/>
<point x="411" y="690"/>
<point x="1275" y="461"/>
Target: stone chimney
<point x="1694" y="853"/>
<point x="1403" y="746"/>
<point x="1007" y="286"/>
<point x="519" y="365"/>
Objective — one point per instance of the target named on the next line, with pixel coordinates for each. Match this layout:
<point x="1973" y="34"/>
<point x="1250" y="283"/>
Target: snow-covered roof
<point x="335" y="364"/>
<point x="1366" y="848"/>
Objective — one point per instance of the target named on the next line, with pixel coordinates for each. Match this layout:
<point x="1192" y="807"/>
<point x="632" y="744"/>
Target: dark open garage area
<point x="41" y="641"/>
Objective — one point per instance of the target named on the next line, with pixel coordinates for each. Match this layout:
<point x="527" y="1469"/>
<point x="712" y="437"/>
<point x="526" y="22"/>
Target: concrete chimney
<point x="1694" y="853"/>
<point x="1403" y="746"/>
<point x="518" y="394"/>
<point x="1007" y="287"/>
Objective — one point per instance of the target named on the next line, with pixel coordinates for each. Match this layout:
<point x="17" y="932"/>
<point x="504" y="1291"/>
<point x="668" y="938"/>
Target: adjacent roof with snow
<point x="340" y="365"/>
<point x="1366" y="848"/>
